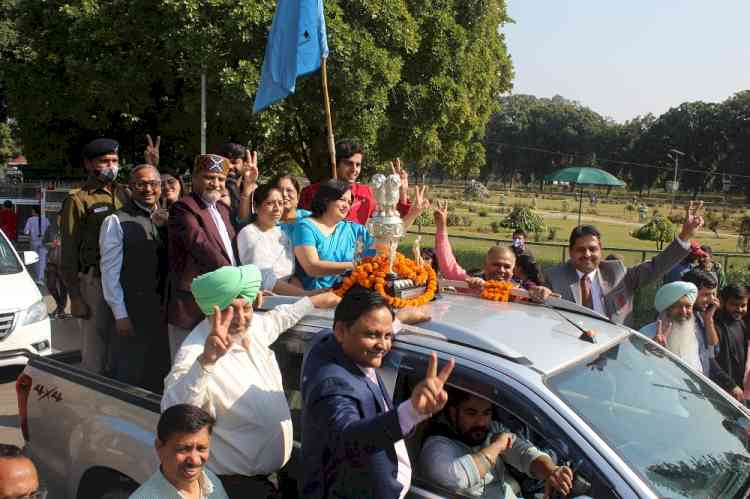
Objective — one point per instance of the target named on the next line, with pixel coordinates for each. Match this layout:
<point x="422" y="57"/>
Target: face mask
<point x="107" y="175"/>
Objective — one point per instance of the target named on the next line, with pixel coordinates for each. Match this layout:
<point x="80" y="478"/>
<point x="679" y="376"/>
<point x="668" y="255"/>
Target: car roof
<point x="544" y="338"/>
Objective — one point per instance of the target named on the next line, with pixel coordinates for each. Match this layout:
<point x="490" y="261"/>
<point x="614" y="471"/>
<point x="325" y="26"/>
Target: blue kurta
<point x="338" y="247"/>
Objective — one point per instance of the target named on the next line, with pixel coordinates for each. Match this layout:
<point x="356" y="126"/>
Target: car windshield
<point x="9" y="264"/>
<point x="680" y="435"/>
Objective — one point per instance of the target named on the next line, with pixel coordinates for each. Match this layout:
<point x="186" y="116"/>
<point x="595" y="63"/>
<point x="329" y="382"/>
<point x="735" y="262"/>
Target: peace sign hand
<point x="662" y="333"/>
<point x="404" y="176"/>
<point x="429" y="396"/>
<point x="151" y="154"/>
<point x="441" y="213"/>
<point x="421" y="202"/>
<point x="693" y="221"/>
<point x="218" y="342"/>
<point x="250" y="173"/>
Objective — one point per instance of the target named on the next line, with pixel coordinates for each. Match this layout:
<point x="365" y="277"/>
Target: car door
<point x="518" y="408"/>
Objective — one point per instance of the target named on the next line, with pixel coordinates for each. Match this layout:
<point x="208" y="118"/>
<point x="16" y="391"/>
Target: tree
<point x="412" y="78"/>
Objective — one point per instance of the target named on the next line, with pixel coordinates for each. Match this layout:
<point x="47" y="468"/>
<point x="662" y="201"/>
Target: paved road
<point x="64" y="337"/>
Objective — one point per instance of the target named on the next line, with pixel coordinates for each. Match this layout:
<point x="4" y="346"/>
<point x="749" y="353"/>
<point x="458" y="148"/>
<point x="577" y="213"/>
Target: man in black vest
<point x="133" y="258"/>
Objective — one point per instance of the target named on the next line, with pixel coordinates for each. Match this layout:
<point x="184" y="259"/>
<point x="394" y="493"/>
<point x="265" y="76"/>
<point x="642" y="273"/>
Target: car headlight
<point x="35" y="313"/>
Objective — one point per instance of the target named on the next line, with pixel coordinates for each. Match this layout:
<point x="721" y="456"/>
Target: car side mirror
<point x="30" y="257"/>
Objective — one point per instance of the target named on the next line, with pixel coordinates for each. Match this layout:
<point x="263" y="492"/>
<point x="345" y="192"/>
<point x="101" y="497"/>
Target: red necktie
<point x="586" y="299"/>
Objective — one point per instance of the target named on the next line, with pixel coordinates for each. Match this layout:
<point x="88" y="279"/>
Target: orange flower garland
<point x="371" y="274"/>
<point x="497" y="290"/>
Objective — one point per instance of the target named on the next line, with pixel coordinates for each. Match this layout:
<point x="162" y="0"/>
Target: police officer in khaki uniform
<point x="82" y="215"/>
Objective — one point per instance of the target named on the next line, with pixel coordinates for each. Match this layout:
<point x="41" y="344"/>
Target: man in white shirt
<point x="607" y="286"/>
<point x="132" y="264"/>
<point x="36" y="226"/>
<point x="227" y="367"/>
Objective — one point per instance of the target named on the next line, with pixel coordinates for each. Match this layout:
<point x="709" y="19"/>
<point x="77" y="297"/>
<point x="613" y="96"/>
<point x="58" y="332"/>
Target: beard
<point x="475" y="435"/>
<point x="682" y="341"/>
<point x="212" y="196"/>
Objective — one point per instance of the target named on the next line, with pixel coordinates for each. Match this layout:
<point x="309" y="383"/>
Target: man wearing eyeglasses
<point x="18" y="477"/>
<point x="133" y="258"/>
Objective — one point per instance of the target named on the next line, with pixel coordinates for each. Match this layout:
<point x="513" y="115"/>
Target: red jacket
<point x="363" y="203"/>
<point x="9" y="223"/>
<point x="195" y="248"/>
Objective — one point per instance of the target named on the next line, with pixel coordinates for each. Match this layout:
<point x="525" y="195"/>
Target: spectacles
<point x="141" y="185"/>
<point x="170" y="182"/>
<point x="38" y="494"/>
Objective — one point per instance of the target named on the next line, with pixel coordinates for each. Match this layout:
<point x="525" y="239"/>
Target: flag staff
<point x="329" y="123"/>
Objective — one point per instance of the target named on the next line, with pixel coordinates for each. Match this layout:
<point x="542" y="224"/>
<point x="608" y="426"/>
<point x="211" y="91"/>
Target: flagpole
<point x="329" y="123"/>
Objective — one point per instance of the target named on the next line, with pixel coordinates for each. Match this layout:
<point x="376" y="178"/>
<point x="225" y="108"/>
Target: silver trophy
<point x="385" y="224"/>
<point x="386" y="228"/>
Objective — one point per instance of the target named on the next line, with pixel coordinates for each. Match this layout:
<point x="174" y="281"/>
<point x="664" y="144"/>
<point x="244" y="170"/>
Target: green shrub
<point x="659" y="229"/>
<point x="424" y="219"/>
<point x="483" y="213"/>
<point x="496" y="226"/>
<point x="472" y="209"/>
<point x="525" y="219"/>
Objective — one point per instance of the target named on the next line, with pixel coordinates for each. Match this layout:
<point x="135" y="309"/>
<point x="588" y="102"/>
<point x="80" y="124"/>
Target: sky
<point x="624" y="58"/>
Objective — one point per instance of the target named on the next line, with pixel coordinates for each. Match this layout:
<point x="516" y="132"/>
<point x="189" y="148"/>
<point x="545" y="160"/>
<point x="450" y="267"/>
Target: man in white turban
<point x="675" y="326"/>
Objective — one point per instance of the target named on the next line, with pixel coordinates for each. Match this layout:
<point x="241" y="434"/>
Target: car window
<point x="683" y="437"/>
<point x="9" y="264"/>
<point x="511" y="412"/>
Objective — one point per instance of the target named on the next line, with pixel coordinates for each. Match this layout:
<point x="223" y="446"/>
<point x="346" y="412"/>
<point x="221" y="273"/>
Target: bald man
<point x="498" y="262"/>
<point x="18" y="476"/>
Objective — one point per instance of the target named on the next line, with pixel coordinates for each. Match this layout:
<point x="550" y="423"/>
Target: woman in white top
<point x="264" y="244"/>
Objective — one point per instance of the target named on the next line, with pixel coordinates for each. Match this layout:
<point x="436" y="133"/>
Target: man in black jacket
<point x="133" y="259"/>
<point x="730" y="324"/>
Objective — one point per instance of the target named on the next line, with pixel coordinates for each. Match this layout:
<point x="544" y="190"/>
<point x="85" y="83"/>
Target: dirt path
<point x="615" y="221"/>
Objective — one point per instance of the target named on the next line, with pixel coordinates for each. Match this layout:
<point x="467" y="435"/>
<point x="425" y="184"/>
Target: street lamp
<point x="675" y="155"/>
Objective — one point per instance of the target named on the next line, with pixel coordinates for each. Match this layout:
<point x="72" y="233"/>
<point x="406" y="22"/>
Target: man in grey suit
<point x="607" y="286"/>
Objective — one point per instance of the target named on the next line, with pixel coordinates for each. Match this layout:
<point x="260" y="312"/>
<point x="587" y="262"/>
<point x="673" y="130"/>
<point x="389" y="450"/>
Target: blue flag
<point x="295" y="46"/>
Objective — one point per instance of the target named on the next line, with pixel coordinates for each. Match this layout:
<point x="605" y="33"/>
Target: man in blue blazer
<point x="352" y="435"/>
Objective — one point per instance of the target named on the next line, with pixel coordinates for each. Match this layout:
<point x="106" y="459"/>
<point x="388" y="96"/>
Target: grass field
<point x="614" y="221"/>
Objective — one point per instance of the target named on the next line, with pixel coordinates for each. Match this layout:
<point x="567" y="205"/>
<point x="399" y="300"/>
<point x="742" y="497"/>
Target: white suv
<point x="24" y="322"/>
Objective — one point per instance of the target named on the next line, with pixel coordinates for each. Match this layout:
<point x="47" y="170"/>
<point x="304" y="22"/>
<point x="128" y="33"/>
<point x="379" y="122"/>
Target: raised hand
<point x="404" y="176"/>
<point x="662" y="333"/>
<point x="250" y="172"/>
<point x="218" y="342"/>
<point x="421" y="202"/>
<point x="151" y="154"/>
<point x="429" y="396"/>
<point x="441" y="213"/>
<point x="693" y="221"/>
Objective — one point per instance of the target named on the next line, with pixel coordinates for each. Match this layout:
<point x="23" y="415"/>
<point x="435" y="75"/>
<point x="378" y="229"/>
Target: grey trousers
<point x="97" y="330"/>
<point x="176" y="336"/>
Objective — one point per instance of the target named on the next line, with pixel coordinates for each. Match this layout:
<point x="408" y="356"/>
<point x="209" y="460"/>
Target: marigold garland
<point x="497" y="290"/>
<point x="371" y="274"/>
